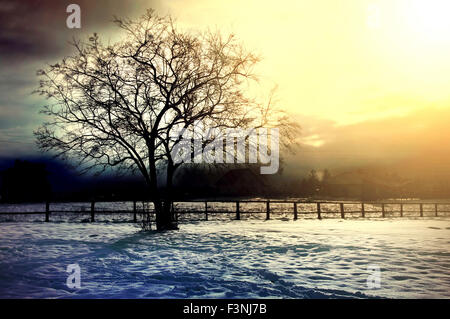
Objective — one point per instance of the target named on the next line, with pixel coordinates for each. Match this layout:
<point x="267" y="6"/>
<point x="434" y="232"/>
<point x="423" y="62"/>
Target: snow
<point x="306" y="258"/>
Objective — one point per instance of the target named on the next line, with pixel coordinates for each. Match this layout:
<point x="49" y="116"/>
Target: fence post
<point x="318" y="211"/>
<point x="363" y="213"/>
<point x="93" y="211"/>
<point x="206" y="210"/>
<point x="421" y="209"/>
<point x="436" y="210"/>
<point x="267" y="210"/>
<point x="342" y="210"/>
<point x="401" y="210"/>
<point x="383" y="213"/>
<point x="47" y="212"/>
<point x="134" y="212"/>
<point x="238" y="213"/>
<point x="295" y="211"/>
<point x="174" y="213"/>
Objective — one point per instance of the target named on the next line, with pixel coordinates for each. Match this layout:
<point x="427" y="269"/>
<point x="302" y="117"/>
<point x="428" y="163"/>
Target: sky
<point x="366" y="79"/>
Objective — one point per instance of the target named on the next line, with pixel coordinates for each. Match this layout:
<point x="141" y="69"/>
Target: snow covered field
<point x="217" y="259"/>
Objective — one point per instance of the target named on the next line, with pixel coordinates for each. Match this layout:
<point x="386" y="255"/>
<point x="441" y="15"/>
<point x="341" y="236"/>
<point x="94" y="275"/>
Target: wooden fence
<point x="267" y="209"/>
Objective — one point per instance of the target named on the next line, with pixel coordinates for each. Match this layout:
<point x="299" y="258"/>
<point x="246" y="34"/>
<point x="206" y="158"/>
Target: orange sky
<point x="343" y="60"/>
<point x="368" y="80"/>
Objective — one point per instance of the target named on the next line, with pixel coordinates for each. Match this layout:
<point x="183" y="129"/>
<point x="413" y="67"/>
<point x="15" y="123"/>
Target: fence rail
<point x="237" y="209"/>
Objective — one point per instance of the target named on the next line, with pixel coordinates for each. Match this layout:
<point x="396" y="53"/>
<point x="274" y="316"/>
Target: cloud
<point x="17" y="106"/>
<point x="36" y="29"/>
<point x="32" y="33"/>
<point x="414" y="143"/>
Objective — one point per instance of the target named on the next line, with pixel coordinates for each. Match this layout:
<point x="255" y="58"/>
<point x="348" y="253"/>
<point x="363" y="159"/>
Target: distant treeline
<point x="27" y="181"/>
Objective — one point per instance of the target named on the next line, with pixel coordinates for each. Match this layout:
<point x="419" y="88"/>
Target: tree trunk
<point x="163" y="205"/>
<point x="164" y="216"/>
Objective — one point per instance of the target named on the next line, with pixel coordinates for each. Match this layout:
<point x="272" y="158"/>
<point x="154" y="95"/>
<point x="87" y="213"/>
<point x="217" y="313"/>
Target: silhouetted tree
<point x="118" y="105"/>
<point x="313" y="182"/>
<point x="325" y="183"/>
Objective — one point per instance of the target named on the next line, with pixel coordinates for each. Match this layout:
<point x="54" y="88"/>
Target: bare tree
<point x="119" y="105"/>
